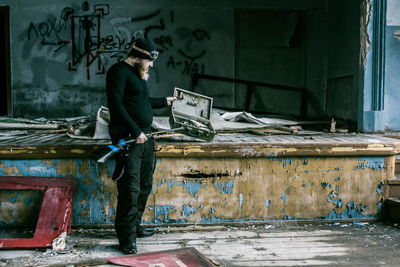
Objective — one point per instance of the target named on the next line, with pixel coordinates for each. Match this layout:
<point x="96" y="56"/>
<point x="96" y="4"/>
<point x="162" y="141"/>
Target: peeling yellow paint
<point x="192" y="149"/>
<point x="66" y="167"/>
<point x="85" y="167"/>
<point x="342" y="149"/>
<point x="47" y="162"/>
<point x="11" y="171"/>
<point x="267" y="188"/>
<point x="380" y="147"/>
<point x="77" y="151"/>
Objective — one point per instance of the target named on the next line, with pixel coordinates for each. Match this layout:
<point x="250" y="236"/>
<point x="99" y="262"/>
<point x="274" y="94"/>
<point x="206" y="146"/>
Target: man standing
<point x="131" y="117"/>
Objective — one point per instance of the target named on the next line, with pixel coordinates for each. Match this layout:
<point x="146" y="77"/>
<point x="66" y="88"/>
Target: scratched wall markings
<point x="79" y="32"/>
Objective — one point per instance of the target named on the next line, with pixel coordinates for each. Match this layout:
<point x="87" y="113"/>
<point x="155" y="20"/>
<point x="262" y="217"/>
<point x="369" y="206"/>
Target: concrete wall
<point x="385" y="119"/>
<point x="211" y="190"/>
<point x="53" y="74"/>
<point x="392" y="77"/>
<point x="343" y="52"/>
<point x="56" y="73"/>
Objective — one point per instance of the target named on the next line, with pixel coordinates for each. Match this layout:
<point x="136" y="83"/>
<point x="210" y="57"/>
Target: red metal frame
<point x="189" y="257"/>
<point x="55" y="213"/>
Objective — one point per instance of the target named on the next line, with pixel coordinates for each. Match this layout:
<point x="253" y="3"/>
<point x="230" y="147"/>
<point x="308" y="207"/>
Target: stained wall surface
<point x="392" y="79"/>
<point x="60" y="52"/>
<point x="212" y="190"/>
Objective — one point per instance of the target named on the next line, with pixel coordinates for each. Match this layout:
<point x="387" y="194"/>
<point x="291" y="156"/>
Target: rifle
<point x="123" y="143"/>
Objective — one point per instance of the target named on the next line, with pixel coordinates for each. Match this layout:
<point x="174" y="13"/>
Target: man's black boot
<point x="144" y="232"/>
<point x="128" y="249"/>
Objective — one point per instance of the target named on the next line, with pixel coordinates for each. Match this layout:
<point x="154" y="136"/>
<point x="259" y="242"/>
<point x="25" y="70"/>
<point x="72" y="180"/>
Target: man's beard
<point x="143" y="72"/>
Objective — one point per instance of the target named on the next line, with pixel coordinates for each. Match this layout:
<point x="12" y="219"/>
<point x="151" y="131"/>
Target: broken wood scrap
<point x="267" y="131"/>
<point x="51" y="131"/>
<point x="93" y="262"/>
<point x="27" y="126"/>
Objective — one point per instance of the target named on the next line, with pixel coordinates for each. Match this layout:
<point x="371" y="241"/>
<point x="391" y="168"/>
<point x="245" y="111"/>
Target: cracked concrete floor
<point x="277" y="244"/>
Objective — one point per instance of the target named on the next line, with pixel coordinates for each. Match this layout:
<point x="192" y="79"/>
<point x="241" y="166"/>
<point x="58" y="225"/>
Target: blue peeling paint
<point x="374" y="163"/>
<point x="380" y="205"/>
<point x="333" y="198"/>
<point x="162" y="182"/>
<point x="111" y="212"/>
<point x="187" y="210"/>
<point x="326" y="185"/>
<point x="379" y="188"/>
<point x="267" y="203"/>
<point x="308" y="172"/>
<point x="352" y="211"/>
<point x="192" y="187"/>
<point x="225" y="188"/>
<point x="240" y="201"/>
<point x="333" y="170"/>
<point x="170" y="184"/>
<point x="28" y="200"/>
<point x="297" y="165"/>
<point x="164" y="210"/>
<point x="214" y="219"/>
<point x="12" y="199"/>
<point x="286" y="161"/>
<point x="339" y="203"/>
<point x="336" y="179"/>
<point x="283" y="198"/>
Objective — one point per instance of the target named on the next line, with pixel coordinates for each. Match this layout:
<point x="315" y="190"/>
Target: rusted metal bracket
<point x="55" y="213"/>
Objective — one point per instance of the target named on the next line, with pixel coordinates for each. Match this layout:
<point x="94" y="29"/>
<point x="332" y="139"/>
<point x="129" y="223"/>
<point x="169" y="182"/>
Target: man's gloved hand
<point x="170" y="99"/>
<point x="141" y="138"/>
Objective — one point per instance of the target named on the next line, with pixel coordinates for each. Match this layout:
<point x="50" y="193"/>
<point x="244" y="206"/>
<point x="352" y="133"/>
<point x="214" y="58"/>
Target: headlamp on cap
<point x="152" y="54"/>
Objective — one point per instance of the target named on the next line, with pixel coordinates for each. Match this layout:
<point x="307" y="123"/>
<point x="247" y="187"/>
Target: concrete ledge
<point x="232" y="145"/>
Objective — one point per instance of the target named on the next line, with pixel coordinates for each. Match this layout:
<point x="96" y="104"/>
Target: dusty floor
<point x="278" y="244"/>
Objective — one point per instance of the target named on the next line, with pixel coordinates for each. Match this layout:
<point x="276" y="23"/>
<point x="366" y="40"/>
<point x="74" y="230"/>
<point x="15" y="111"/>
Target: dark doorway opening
<point x="5" y="88"/>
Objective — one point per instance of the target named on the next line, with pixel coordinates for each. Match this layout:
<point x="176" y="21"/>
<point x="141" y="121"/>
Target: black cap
<point x="143" y="48"/>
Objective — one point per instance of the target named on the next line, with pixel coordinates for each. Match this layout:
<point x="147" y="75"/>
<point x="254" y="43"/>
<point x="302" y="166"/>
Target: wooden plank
<point x="239" y="145"/>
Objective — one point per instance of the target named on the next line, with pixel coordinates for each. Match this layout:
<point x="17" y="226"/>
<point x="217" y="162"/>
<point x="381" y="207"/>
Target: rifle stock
<point x="122" y="143"/>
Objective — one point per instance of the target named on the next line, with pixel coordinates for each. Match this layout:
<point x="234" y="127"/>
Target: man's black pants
<point x="134" y="188"/>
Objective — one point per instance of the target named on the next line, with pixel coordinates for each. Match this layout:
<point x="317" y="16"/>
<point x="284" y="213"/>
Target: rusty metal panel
<point x="55" y="213"/>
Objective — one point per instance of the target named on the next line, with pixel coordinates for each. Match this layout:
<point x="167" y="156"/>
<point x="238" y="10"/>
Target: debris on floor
<point x="269" y="244"/>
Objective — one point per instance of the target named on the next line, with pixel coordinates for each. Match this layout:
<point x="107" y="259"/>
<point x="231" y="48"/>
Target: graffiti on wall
<point x="79" y="32"/>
